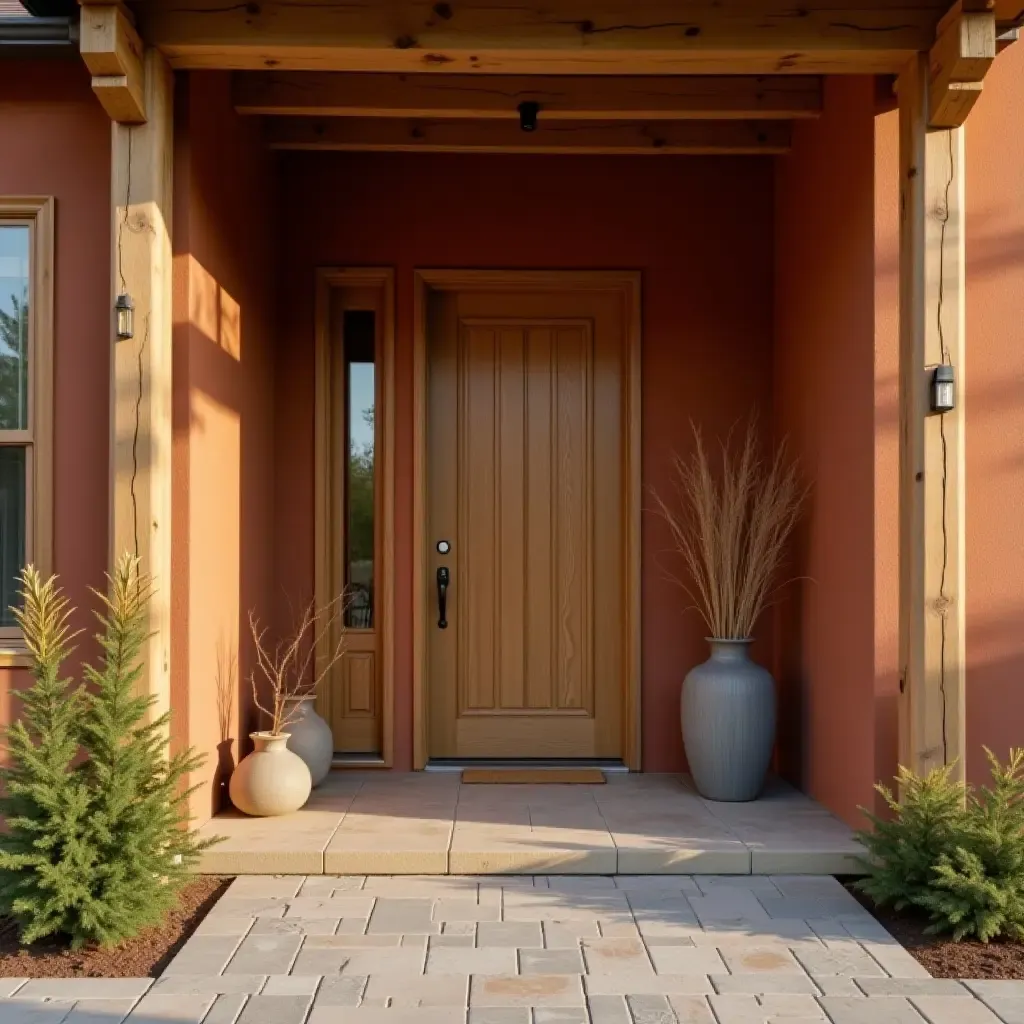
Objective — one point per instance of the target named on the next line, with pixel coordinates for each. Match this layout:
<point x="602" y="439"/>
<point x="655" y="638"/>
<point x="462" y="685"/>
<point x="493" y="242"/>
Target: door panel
<point x="525" y="452"/>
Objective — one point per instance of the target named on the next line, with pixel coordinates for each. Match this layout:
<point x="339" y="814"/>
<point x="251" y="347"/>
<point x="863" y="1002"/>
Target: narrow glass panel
<point x="359" y="332"/>
<point x="12" y="528"/>
<point x="14" y="254"/>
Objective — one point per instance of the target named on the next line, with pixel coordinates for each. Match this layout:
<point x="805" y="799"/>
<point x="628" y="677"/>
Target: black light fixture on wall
<point x="528" y="111"/>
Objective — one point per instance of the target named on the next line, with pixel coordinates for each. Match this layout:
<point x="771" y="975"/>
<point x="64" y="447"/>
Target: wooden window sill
<point x="14" y="657"/>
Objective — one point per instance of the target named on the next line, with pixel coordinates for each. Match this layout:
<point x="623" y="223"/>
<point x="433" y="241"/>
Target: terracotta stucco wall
<point x="224" y="337"/>
<point x="699" y="229"/>
<point x="994" y="393"/>
<point x="824" y="379"/>
<point x="887" y="443"/>
<point x="56" y="142"/>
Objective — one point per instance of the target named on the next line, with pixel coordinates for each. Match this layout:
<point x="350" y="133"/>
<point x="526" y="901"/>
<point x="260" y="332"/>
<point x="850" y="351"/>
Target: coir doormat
<point x="534" y="776"/>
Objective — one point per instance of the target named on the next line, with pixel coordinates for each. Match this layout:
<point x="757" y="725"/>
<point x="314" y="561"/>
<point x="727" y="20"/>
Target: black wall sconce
<point x="124" y="309"/>
<point x="528" y="111"/>
<point x="943" y="398"/>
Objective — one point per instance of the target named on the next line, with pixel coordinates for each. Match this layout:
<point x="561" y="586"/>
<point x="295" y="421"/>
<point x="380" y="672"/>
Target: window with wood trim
<point x="26" y="398"/>
<point x="354" y="502"/>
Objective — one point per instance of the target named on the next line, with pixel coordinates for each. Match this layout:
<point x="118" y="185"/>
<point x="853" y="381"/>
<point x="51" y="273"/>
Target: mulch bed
<point x="942" y="957"/>
<point x="144" y="956"/>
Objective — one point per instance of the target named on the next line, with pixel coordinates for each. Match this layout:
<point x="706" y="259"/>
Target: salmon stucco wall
<point x="223" y="409"/>
<point x="57" y="143"/>
<point x="824" y="406"/>
<point x="992" y="386"/>
<point x="699" y="229"/>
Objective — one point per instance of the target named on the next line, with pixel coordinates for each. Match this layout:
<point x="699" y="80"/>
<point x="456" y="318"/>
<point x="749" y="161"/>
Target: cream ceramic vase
<point x="271" y="780"/>
<point x="310" y="737"/>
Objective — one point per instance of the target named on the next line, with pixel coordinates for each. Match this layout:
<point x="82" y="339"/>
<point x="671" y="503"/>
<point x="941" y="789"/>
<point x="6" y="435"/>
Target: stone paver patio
<point x="670" y="949"/>
<point x="422" y="823"/>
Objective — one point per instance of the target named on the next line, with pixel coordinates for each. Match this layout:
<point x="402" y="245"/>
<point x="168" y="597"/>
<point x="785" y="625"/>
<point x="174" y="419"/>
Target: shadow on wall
<point x="218" y="483"/>
<point x="994" y="251"/>
<point x="227" y="689"/>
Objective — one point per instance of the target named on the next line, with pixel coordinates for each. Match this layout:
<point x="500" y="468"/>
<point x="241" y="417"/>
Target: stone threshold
<point x="364" y="823"/>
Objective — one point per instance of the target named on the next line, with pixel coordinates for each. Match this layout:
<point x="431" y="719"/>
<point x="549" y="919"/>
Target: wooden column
<point x="140" y="485"/>
<point x="932" y="538"/>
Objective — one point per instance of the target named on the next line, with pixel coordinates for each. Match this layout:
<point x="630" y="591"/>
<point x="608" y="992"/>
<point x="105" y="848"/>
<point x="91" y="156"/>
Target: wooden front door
<point x="526" y="484"/>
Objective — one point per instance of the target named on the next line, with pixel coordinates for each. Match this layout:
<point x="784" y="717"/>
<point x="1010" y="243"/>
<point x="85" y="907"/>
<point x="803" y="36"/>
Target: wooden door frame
<point x="625" y="282"/>
<point x="324" y="569"/>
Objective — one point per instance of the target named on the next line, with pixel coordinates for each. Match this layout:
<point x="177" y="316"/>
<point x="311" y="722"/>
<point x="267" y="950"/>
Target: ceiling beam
<point x="1008" y="13"/>
<point x="626" y="37"/>
<point x="957" y="64"/>
<point x="336" y="94"/>
<point x="112" y="52"/>
<point x="590" y="137"/>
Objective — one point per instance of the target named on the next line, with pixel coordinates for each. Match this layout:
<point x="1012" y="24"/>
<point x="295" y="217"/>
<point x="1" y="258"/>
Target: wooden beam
<point x="1008" y="13"/>
<point x="140" y="418"/>
<point x="660" y="137"/>
<point x="1006" y="38"/>
<point x="572" y="37"/>
<point x="957" y="63"/>
<point x="932" y="531"/>
<point x="336" y="94"/>
<point x="112" y="52"/>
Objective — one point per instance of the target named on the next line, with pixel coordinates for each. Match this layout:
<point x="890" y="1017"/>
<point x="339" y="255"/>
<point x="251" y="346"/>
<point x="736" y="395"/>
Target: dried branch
<point x="730" y="529"/>
<point x="292" y="668"/>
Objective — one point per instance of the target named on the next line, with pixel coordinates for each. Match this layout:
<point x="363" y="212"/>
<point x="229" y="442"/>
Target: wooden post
<point x="140" y="485"/>
<point x="932" y="538"/>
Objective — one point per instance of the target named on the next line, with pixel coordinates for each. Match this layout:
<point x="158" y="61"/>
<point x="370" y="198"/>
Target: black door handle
<point x="443" y="578"/>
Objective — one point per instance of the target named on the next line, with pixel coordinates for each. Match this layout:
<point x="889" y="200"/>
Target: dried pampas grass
<point x="730" y="527"/>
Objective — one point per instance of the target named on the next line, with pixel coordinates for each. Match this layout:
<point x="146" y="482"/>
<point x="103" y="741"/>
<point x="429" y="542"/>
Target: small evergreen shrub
<point x="98" y="846"/>
<point x="954" y="854"/>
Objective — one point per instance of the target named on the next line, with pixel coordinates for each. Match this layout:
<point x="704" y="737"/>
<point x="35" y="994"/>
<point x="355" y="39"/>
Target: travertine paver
<point x="101" y="1011"/>
<point x="15" y="1011"/>
<point x="458" y="960"/>
<point x="265" y="954"/>
<point x="756" y="984"/>
<point x="275" y="1010"/>
<point x="173" y="1009"/>
<point x="410" y="823"/>
<point x="499" y="1015"/>
<point x="225" y="1010"/>
<point x="550" y="961"/>
<point x="880" y="1010"/>
<point x="517" y="934"/>
<point x="528" y="950"/>
<point x="84" y="988"/>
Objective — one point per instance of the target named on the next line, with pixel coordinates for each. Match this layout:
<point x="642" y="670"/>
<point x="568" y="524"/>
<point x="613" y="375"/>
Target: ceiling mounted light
<point x="528" y="111"/>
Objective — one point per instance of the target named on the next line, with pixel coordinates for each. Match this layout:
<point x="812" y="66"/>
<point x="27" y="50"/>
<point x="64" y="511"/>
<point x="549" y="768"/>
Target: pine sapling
<point x="979" y="881"/>
<point x="904" y="849"/>
<point x="46" y="856"/>
<point x="97" y="845"/>
<point x="952" y="853"/>
<point x="138" y="823"/>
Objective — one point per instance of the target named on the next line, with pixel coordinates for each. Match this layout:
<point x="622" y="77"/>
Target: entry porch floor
<point x="366" y="823"/>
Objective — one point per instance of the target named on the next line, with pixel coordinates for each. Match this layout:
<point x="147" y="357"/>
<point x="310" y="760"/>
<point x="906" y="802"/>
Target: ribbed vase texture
<point x="271" y="780"/>
<point x="311" y="739"/>
<point x="728" y="718"/>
